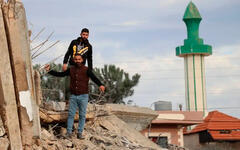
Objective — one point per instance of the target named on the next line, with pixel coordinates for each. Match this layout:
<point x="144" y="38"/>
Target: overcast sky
<point x="140" y="36"/>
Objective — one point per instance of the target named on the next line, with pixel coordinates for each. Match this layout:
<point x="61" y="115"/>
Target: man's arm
<point x="55" y="73"/>
<point x="95" y="80"/>
<point x="60" y="74"/>
<point x="89" y="58"/>
<point x="66" y="57"/>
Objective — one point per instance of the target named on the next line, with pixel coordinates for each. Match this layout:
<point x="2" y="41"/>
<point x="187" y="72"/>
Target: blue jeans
<point x="80" y="102"/>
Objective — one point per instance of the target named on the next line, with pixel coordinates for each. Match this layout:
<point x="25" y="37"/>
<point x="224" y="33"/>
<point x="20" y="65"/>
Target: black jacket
<point x="75" y="47"/>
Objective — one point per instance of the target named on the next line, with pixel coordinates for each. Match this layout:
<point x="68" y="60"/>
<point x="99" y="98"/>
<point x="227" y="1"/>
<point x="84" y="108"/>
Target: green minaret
<point x="193" y="52"/>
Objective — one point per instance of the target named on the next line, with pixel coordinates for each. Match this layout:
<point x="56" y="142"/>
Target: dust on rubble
<point x="104" y="132"/>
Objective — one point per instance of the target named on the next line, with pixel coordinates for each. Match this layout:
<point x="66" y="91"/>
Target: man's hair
<point x="85" y="30"/>
<point x="83" y="56"/>
<point x="78" y="55"/>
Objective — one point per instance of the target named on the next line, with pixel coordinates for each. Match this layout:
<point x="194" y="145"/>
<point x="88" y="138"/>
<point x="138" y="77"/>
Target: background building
<point x="194" y="52"/>
<point x="218" y="129"/>
<point x="167" y="128"/>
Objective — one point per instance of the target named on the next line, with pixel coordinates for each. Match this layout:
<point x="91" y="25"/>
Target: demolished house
<point x="103" y="130"/>
<point x="23" y="125"/>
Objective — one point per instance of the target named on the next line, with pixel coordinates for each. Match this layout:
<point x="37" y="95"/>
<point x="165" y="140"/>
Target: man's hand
<point x="64" y="67"/>
<point x="47" y="67"/>
<point x="102" y="88"/>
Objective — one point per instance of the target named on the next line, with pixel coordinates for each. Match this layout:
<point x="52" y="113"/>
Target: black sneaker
<point x="80" y="136"/>
<point x="68" y="135"/>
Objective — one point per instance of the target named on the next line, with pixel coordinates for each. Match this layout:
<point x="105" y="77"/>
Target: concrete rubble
<point x="136" y="117"/>
<point x="4" y="142"/>
<point x="2" y="129"/>
<point x="55" y="106"/>
<point x="103" y="131"/>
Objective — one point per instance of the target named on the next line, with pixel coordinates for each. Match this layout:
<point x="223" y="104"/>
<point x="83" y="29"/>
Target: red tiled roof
<point x="217" y="121"/>
<point x="234" y="135"/>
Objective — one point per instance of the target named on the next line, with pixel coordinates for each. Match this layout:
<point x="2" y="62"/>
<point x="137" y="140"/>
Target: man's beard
<point x="84" y="40"/>
<point x="78" y="64"/>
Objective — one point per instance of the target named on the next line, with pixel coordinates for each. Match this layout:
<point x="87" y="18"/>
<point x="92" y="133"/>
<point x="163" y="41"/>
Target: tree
<point x="52" y="87"/>
<point x="117" y="82"/>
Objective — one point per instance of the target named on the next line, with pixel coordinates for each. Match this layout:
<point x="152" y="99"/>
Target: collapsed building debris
<point x="4" y="143"/>
<point x="2" y="129"/>
<point x="103" y="130"/>
<point x="137" y="117"/>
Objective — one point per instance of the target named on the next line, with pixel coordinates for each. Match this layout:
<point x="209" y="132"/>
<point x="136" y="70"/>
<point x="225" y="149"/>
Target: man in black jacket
<point x="80" y="46"/>
<point x="79" y="77"/>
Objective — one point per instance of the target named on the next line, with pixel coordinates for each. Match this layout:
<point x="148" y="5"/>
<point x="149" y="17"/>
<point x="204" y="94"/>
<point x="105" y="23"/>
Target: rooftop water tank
<point x="162" y="105"/>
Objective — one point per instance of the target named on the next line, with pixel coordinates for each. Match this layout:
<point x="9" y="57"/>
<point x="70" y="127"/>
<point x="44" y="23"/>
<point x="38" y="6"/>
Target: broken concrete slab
<point x="45" y="134"/>
<point x="53" y="116"/>
<point x="7" y="90"/>
<point x="130" y="135"/>
<point x="4" y="143"/>
<point x="137" y="117"/>
<point x="55" y="106"/>
<point x="19" y="50"/>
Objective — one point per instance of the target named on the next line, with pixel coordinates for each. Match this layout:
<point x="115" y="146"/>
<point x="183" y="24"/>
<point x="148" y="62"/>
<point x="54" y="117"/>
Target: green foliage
<point x="52" y="87"/>
<point x="117" y="82"/>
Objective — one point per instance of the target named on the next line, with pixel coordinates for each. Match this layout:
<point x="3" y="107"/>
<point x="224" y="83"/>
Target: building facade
<point x="168" y="127"/>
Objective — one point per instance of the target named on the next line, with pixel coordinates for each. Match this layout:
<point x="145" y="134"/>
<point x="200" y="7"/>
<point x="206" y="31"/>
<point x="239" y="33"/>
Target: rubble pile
<point x="4" y="143"/>
<point x="104" y="132"/>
